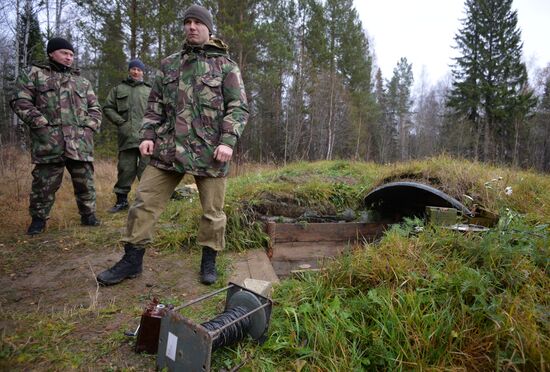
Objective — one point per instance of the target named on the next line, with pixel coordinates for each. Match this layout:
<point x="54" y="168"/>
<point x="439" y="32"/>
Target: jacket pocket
<point x="46" y="96"/>
<point x="211" y="95"/>
<point x="165" y="146"/>
<point x="170" y="94"/>
<point x="81" y="105"/>
<point x="211" y="109"/>
<point x="47" y="142"/>
<point x="122" y="105"/>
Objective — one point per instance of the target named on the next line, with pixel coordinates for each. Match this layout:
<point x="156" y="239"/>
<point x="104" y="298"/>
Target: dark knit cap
<point x="200" y="13"/>
<point x="136" y="63"/>
<point x="58" y="43"/>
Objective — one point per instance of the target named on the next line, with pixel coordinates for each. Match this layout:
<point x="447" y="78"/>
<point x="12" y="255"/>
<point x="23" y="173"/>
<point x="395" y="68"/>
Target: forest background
<point x="314" y="89"/>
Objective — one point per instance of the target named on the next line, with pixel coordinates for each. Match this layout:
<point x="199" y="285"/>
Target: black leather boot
<point x="89" y="220"/>
<point x="37" y="226"/>
<point x="121" y="203"/>
<point x="129" y="266"/>
<point x="208" y="266"/>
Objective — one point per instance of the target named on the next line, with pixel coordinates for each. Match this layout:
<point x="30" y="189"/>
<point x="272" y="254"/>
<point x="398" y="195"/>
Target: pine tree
<point x="490" y="80"/>
<point x="31" y="42"/>
<point x="399" y="102"/>
<point x="112" y="68"/>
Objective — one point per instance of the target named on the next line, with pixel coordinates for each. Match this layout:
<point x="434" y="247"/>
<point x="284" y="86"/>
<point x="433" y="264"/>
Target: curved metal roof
<point x="404" y="199"/>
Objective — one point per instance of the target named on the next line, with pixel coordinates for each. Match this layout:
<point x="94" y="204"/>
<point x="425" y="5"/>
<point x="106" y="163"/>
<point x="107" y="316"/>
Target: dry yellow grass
<point x="15" y="186"/>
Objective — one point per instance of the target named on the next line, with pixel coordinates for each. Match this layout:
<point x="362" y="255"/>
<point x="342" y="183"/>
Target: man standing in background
<point x="62" y="113"/>
<point x="125" y="106"/>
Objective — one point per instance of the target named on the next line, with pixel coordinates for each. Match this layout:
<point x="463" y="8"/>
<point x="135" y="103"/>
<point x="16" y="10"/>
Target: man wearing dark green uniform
<point x="124" y="107"/>
<point x="197" y="110"/>
<point x="62" y="113"/>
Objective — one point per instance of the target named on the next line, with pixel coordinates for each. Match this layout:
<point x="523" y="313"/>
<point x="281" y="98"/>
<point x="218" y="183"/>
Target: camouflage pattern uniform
<point x="197" y="102"/>
<point x="125" y="106"/>
<point x="62" y="112"/>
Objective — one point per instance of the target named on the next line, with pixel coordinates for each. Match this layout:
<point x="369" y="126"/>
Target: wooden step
<point x="253" y="264"/>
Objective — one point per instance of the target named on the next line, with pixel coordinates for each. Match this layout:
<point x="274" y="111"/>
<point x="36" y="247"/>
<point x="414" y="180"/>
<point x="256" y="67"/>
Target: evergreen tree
<point x="267" y="139"/>
<point x="490" y="80"/>
<point x="112" y="68"/>
<point x="31" y="42"/>
<point x="355" y="65"/>
<point x="399" y="102"/>
<point x="384" y="131"/>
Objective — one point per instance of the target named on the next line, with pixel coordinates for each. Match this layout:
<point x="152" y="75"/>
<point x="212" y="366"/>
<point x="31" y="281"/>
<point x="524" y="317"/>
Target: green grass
<point x="434" y="300"/>
<point x="430" y="300"/>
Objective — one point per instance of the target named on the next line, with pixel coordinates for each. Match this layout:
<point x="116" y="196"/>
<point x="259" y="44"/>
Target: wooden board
<point x="291" y="256"/>
<point x="295" y="251"/>
<point x="253" y="264"/>
<point x="293" y="245"/>
<point x="315" y="232"/>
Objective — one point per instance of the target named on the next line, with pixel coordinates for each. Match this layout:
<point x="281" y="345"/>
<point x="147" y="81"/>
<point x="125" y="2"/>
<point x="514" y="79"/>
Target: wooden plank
<point x="293" y="251"/>
<point x="285" y="268"/>
<point x="240" y="272"/>
<point x="314" y="232"/>
<point x="260" y="266"/>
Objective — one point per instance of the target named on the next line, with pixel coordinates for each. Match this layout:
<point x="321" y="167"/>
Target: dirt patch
<point x="270" y="204"/>
<point x="54" y="314"/>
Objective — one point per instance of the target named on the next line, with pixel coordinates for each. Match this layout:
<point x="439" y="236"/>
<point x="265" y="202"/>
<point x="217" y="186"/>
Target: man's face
<point x="196" y="32"/>
<point x="136" y="73"/>
<point x="63" y="56"/>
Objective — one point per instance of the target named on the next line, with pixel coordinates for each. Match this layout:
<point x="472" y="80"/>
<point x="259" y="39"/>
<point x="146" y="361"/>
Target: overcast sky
<point x="426" y="29"/>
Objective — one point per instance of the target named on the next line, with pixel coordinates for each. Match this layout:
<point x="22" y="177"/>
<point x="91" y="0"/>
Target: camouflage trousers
<point x="153" y="193"/>
<point x="130" y="165"/>
<point x="47" y="180"/>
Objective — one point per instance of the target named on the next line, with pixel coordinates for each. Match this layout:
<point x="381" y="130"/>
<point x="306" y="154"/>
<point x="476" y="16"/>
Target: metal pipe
<point x="203" y="297"/>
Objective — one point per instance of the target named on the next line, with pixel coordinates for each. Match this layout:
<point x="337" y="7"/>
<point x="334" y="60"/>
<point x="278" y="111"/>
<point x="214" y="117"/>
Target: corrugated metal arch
<point x="396" y="200"/>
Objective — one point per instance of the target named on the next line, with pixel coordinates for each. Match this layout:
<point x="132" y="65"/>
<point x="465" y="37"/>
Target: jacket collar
<point x="134" y="83"/>
<point x="213" y="46"/>
<point x="56" y="67"/>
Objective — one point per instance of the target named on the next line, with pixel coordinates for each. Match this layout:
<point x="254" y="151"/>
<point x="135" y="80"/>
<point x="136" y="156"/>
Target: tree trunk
<point x="356" y="157"/>
<point x="330" y="125"/>
<point x="486" y="140"/>
<point x="59" y="4"/>
<point x="133" y="28"/>
<point x="28" y="11"/>
<point x="515" y="155"/>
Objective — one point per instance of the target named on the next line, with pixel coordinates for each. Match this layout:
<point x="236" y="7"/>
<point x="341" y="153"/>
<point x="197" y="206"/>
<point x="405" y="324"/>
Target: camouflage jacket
<point x="125" y="106"/>
<point x="61" y="111"/>
<point x="197" y="102"/>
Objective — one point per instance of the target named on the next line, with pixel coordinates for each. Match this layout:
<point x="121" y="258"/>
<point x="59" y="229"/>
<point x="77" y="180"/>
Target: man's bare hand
<point x="146" y="147"/>
<point x="223" y="153"/>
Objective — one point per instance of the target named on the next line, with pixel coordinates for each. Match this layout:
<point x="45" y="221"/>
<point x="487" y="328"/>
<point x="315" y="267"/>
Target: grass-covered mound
<point x="329" y="188"/>
<point x="428" y="299"/>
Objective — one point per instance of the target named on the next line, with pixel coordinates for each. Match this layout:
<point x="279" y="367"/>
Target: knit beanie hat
<point x="58" y="43"/>
<point x="200" y="13"/>
<point x="136" y="63"/>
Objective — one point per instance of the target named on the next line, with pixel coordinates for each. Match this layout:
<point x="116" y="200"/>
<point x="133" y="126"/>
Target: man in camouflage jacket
<point x="196" y="112"/>
<point x="125" y="106"/>
<point x="62" y="113"/>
